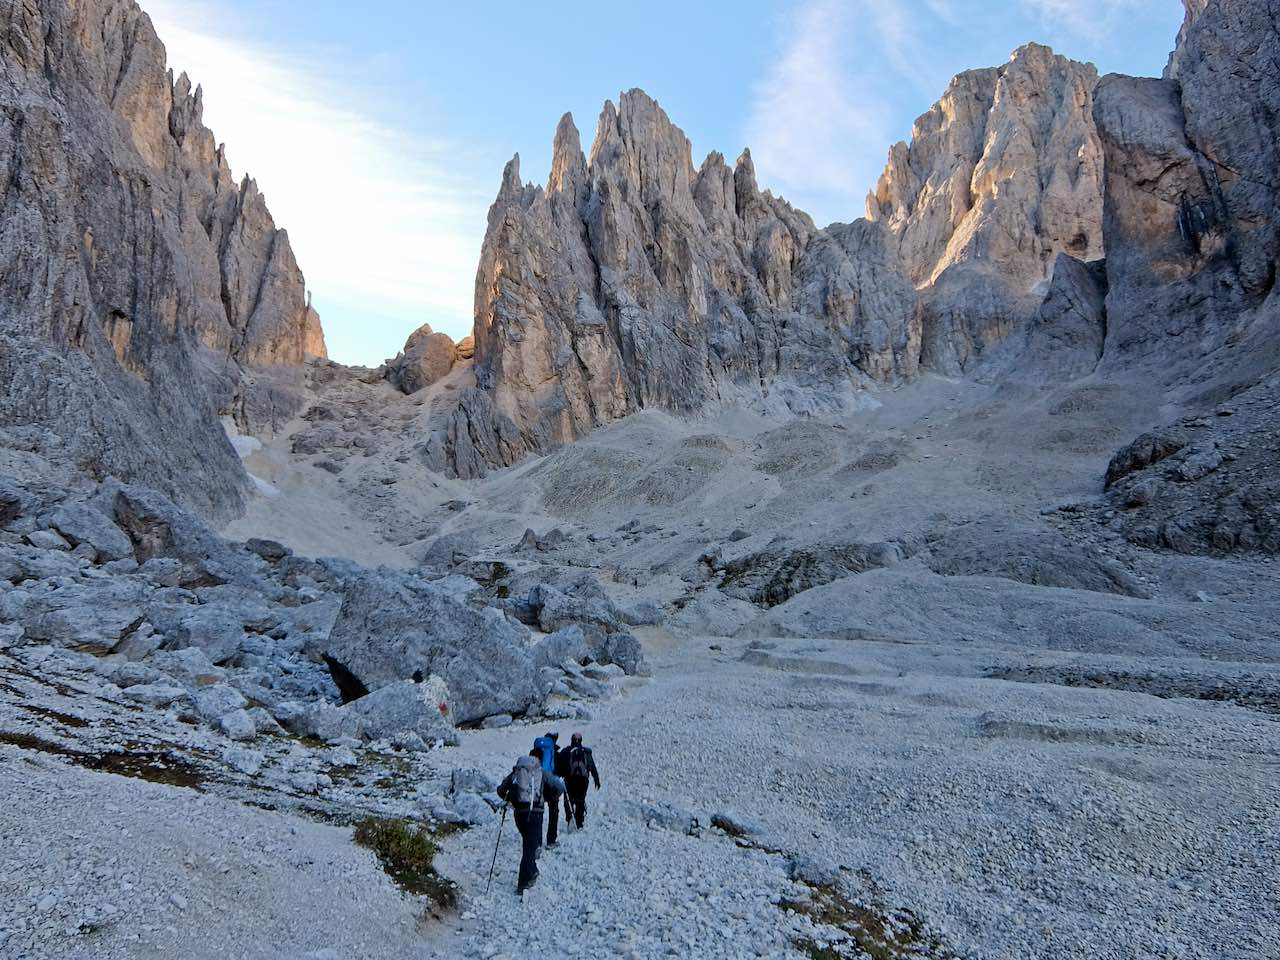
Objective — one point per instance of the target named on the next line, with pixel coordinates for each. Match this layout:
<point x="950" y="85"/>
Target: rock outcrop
<point x="634" y="280"/>
<point x="144" y="291"/>
<point x="393" y="627"/>
<point x="427" y="357"/>
<point x="1193" y="193"/>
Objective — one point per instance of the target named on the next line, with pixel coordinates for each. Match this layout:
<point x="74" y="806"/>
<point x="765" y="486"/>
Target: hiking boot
<point x="552" y="846"/>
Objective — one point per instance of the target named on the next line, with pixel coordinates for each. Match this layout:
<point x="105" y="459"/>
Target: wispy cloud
<point x="1089" y="19"/>
<point x="850" y="75"/>
<point x="810" y="121"/>
<point x="384" y="224"/>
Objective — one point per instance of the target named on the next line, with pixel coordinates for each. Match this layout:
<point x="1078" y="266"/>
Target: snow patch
<point x="243" y="445"/>
<point x="265" y="488"/>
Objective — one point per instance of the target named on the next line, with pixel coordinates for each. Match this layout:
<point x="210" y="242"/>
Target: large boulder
<point x="569" y="643"/>
<point x="217" y="632"/>
<point x="87" y="627"/>
<point x="427" y="357"/>
<point x="93" y="617"/>
<point x="407" y="707"/>
<point x="393" y="627"/>
<point x="80" y="523"/>
<point x="14" y="501"/>
<point x="217" y="700"/>
<point x="556" y="610"/>
<point x="1148" y="449"/>
<point x="158" y="528"/>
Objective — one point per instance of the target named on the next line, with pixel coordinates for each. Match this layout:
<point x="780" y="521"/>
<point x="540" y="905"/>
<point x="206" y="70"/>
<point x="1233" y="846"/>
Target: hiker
<point x="524" y="788"/>
<point x="578" y="764"/>
<point x="549" y="752"/>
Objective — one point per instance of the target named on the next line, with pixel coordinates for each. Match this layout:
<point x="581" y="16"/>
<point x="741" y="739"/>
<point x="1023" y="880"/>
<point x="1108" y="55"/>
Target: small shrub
<point x="407" y="854"/>
<point x="870" y="930"/>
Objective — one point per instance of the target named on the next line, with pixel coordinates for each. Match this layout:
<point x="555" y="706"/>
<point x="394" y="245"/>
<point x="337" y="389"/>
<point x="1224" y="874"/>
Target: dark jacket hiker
<point x="524" y="788"/>
<point x="578" y="766"/>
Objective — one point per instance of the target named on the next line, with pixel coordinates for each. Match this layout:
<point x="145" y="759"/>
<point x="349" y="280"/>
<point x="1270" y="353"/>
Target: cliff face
<point x="635" y="280"/>
<point x="1002" y="174"/>
<point x="1193" y="191"/>
<point x="143" y="291"/>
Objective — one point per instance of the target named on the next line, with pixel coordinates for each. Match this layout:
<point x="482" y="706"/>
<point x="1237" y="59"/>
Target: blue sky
<point x="379" y="138"/>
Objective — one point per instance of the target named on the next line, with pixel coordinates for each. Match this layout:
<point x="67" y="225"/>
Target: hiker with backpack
<point x="579" y="765"/>
<point x="549" y="753"/>
<point x="524" y="788"/>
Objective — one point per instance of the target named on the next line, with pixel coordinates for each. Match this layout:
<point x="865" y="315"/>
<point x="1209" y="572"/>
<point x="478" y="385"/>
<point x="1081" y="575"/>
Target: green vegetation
<point x="168" y="767"/>
<point x="407" y="853"/>
<point x="871" y="931"/>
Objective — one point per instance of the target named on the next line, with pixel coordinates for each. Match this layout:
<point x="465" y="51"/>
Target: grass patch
<point x="66" y="719"/>
<point x="153" y="766"/>
<point x="407" y="853"/>
<point x="816" y="951"/>
<point x="868" y="930"/>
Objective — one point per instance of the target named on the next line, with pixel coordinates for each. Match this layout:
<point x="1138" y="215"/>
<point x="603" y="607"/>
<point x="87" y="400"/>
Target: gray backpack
<point x="526" y="782"/>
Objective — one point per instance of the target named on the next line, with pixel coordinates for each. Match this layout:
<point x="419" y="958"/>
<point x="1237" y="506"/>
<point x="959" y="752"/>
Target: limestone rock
<point x="1066" y="337"/>
<point x="1005" y="168"/>
<point x="1002" y="174"/>
<point x="237" y="725"/>
<point x="47" y="540"/>
<point x="427" y="357"/>
<point x="160" y="530"/>
<point x="394" y="627"/>
<point x="1146" y="450"/>
<point x="80" y="523"/>
<point x="634" y="280"/>
<point x="155" y="694"/>
<point x="1193" y="204"/>
<point x="217" y="700"/>
<point x="407" y="707"/>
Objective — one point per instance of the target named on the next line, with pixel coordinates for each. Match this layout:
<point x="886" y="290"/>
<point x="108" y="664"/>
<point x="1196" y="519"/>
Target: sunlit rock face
<point x="1002" y="175"/>
<point x="144" y="291"/>
<point x="635" y="279"/>
<point x="427" y="358"/>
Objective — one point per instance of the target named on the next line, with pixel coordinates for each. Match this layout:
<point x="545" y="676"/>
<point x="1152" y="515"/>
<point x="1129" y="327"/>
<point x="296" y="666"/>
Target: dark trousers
<point x="578" y="798"/>
<point x="553" y="819"/>
<point x="529" y="823"/>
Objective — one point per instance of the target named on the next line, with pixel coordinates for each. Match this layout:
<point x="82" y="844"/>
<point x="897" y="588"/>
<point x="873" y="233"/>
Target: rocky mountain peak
<point x="1006" y="168"/>
<point x="658" y="285"/>
<point x="568" y="164"/>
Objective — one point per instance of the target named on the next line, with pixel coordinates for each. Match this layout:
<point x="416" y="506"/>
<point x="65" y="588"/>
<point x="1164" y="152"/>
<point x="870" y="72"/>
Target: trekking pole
<point x="501" y="824"/>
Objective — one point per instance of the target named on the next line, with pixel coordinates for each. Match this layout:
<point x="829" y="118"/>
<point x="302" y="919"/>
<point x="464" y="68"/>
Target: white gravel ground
<point x="99" y="867"/>
<point x="1012" y="819"/>
<point x="1015" y="820"/>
